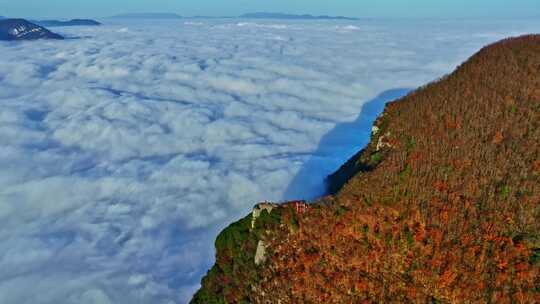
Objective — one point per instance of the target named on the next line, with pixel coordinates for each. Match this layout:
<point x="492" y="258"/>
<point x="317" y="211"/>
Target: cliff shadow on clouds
<point x="337" y="146"/>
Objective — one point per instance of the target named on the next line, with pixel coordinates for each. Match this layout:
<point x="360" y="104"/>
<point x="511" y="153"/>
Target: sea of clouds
<point x="125" y="150"/>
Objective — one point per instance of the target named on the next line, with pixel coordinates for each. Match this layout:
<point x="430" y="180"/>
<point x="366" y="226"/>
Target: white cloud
<point x="123" y="153"/>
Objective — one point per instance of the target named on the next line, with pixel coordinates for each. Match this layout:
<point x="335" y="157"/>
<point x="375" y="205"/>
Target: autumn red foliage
<point x="449" y="213"/>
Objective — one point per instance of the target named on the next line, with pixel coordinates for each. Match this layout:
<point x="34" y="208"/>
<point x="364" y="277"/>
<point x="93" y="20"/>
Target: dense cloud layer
<point x="125" y="151"/>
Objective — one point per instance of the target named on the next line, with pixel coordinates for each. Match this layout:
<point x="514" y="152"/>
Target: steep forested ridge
<point x="443" y="205"/>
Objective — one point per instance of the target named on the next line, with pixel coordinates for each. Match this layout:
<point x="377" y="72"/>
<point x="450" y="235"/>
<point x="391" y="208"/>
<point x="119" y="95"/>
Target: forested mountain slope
<point x="443" y="205"/>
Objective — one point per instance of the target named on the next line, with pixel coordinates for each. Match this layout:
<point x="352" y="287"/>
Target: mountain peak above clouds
<point x="266" y="15"/>
<point x="21" y="29"/>
<point x="72" y="22"/>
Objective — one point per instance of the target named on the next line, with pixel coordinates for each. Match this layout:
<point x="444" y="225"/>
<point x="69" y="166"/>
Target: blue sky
<point x="359" y="8"/>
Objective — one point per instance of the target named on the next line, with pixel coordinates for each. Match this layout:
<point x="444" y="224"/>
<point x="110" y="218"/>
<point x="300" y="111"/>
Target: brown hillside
<point x="443" y="206"/>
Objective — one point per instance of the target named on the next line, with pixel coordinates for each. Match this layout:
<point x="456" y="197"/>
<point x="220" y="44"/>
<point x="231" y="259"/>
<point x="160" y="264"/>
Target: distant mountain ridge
<point x="72" y="22"/>
<point x="256" y="15"/>
<point x="264" y="15"/>
<point x="147" y="16"/>
<point x="21" y="29"/>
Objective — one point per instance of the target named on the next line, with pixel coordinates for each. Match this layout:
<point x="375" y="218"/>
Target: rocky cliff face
<point x="20" y="29"/>
<point x="443" y="206"/>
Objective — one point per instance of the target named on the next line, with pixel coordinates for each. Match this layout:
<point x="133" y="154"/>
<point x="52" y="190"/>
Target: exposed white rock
<point x="374" y="130"/>
<point x="260" y="253"/>
<point x="258" y="209"/>
<point x="382" y="143"/>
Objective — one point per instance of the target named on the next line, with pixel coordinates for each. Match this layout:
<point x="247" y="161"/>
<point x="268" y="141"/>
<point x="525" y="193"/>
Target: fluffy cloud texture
<point x="125" y="150"/>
